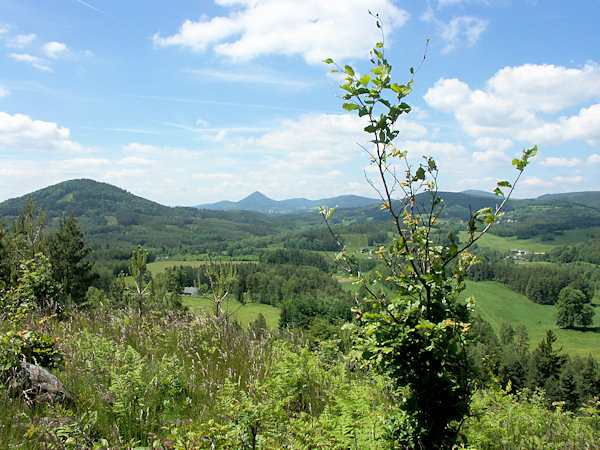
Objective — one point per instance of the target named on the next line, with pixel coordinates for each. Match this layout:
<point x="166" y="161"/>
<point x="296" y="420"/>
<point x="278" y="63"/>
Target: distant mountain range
<point x="98" y="205"/>
<point x="261" y="203"/>
<point x="112" y="217"/>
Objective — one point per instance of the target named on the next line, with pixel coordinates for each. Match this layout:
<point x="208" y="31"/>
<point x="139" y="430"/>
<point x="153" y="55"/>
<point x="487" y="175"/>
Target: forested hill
<point x="112" y="217"/>
<point x="100" y="203"/>
<point x="85" y="198"/>
<point x="589" y="198"/>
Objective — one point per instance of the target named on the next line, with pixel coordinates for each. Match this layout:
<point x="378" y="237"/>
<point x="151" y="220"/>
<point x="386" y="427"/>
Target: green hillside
<point x="588" y="198"/>
<point x="112" y="217"/>
<point x="497" y="304"/>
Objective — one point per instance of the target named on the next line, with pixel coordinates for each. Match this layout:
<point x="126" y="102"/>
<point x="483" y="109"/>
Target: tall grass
<point x="182" y="378"/>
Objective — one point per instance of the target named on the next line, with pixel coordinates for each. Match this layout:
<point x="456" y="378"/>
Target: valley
<point x="264" y="282"/>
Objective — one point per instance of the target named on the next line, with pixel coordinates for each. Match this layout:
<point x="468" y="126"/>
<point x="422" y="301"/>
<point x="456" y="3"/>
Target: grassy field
<point x="497" y="304"/>
<point x="535" y="244"/>
<point x="157" y="267"/>
<point x="347" y="283"/>
<point x="244" y="314"/>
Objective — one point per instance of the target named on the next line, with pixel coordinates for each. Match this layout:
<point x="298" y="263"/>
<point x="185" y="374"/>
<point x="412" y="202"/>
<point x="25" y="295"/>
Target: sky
<point x="187" y="102"/>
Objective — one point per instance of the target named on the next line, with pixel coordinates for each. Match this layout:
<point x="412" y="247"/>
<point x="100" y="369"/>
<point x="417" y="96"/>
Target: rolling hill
<point x="261" y="203"/>
<point x="111" y="217"/>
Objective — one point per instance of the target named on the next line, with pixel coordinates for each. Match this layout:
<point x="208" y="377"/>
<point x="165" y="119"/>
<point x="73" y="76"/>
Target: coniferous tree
<point x="545" y="367"/>
<point x="68" y="255"/>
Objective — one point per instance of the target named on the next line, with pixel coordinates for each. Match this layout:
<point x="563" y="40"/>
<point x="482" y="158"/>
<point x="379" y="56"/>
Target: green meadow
<point x="535" y="244"/>
<point x="157" y="267"/>
<point x="497" y="304"/>
<point x="244" y="314"/>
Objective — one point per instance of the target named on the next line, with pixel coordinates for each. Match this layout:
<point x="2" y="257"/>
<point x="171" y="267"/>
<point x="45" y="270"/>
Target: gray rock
<point x="36" y="384"/>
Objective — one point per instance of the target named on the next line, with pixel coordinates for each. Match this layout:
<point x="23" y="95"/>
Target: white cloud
<point x="557" y="162"/>
<point x="21" y="133"/>
<point x="21" y="40"/>
<point x="546" y="88"/>
<point x="568" y="180"/>
<point x="80" y="164"/>
<point x="490" y="156"/>
<point x="493" y="144"/>
<point x="313" y="144"/>
<point x="535" y="182"/>
<point x="38" y="63"/>
<point x="54" y="49"/>
<point x="257" y="75"/>
<point x="460" y="30"/>
<point x="438" y="150"/>
<point x="136" y="161"/>
<point x="313" y="29"/>
<point x="3" y="92"/>
<point x="122" y="174"/>
<point x="448" y="94"/>
<point x="168" y="153"/>
<point x="593" y="159"/>
<point x="516" y="102"/>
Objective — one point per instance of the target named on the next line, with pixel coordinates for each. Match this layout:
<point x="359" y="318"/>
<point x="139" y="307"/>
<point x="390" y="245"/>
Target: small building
<point x="190" y="291"/>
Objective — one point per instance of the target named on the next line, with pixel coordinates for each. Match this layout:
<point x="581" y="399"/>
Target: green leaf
<point x="376" y="70"/>
<point x="350" y="106"/>
<point x="504" y="184"/>
<point x="420" y="174"/>
<point x="328" y="61"/>
<point x="365" y="80"/>
<point x="349" y="70"/>
<point x="379" y="45"/>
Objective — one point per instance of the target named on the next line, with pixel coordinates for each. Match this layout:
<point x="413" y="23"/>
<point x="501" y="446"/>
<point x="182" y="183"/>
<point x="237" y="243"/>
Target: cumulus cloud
<point x="315" y="139"/>
<point x="568" y="180"/>
<point x="546" y="88"/>
<point x="35" y="61"/>
<point x="557" y="162"/>
<point x="593" y="159"/>
<point x="3" y="92"/>
<point x="438" y="150"/>
<point x="494" y="144"/>
<point x="54" y="49"/>
<point x="459" y="30"/>
<point x="80" y="164"/>
<point x="136" y="161"/>
<point x="516" y="103"/>
<point x="21" y="133"/>
<point x="535" y="182"/>
<point x="313" y="29"/>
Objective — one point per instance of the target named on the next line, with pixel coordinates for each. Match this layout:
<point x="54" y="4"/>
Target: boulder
<point x="36" y="384"/>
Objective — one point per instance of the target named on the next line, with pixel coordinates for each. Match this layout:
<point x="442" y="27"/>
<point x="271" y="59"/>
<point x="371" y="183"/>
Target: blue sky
<point x="187" y="102"/>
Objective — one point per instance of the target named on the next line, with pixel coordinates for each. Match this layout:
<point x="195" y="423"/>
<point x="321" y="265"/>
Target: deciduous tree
<point x="418" y="334"/>
<point x="573" y="309"/>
